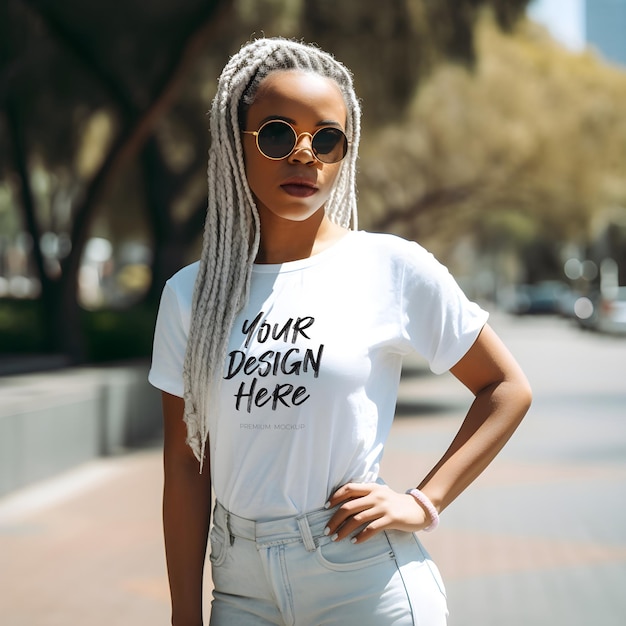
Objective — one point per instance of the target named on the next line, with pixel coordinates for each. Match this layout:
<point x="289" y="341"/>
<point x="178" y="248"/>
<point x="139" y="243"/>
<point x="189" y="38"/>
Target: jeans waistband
<point x="308" y="527"/>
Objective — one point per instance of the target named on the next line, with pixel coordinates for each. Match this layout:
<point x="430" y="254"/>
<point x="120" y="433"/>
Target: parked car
<point x="612" y="313"/>
<point x="544" y="297"/>
<point x="586" y="311"/>
<point x="603" y="312"/>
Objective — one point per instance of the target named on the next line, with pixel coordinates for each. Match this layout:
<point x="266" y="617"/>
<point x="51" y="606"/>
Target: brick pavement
<point x="86" y="548"/>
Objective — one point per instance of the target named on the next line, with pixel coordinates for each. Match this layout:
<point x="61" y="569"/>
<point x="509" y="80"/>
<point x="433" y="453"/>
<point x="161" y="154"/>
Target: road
<point x="539" y="539"/>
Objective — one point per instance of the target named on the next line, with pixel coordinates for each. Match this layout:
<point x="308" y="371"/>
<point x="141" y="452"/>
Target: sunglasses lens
<point x="330" y="145"/>
<point x="276" y="139"/>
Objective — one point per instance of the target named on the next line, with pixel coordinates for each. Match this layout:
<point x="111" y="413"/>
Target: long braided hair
<point x="232" y="228"/>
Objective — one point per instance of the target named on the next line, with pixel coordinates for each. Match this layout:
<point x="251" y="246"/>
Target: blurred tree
<point x="532" y="131"/>
<point x="104" y="105"/>
<point x="64" y="63"/>
<point x="392" y="51"/>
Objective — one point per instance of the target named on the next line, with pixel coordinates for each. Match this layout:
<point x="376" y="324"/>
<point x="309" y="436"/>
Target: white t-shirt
<point x="311" y="378"/>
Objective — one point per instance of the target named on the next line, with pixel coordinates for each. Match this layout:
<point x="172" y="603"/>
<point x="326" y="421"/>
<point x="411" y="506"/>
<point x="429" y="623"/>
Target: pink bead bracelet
<point x="424" y="500"/>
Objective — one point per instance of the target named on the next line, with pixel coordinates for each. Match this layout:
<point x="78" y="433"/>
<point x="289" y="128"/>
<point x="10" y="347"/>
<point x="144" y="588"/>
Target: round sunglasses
<point x="277" y="139"/>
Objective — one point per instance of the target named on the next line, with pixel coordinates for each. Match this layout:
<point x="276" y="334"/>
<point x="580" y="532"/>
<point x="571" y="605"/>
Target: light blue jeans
<point x="287" y="572"/>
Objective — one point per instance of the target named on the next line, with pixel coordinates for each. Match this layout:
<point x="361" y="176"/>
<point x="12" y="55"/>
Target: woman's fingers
<point x="368" y="508"/>
<point x="354" y="510"/>
<point x="349" y="491"/>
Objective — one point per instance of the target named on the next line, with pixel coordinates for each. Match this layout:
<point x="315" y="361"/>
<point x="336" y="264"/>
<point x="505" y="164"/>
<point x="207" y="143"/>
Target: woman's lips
<point x="299" y="188"/>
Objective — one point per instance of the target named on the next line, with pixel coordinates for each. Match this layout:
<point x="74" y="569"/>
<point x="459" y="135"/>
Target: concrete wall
<point x="52" y="421"/>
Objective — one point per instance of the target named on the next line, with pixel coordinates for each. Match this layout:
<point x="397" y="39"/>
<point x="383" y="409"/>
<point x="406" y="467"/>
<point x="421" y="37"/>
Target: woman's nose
<point x="303" y="150"/>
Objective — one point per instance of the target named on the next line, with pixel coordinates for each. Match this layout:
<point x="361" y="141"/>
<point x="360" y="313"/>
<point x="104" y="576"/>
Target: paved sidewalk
<point x="538" y="540"/>
<point x="85" y="548"/>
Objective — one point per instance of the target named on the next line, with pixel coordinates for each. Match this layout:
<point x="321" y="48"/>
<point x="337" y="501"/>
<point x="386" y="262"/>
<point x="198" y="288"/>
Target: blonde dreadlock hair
<point x="231" y="232"/>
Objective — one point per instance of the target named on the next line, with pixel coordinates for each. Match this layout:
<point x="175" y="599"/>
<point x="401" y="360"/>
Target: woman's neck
<point x="287" y="240"/>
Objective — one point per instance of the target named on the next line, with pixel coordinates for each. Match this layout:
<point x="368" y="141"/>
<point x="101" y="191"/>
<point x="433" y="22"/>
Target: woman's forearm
<point x="493" y="417"/>
<point x="186" y="517"/>
<point x="502" y="398"/>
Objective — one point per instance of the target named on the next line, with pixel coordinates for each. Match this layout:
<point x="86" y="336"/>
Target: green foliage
<point x="392" y="51"/>
<point x="117" y="335"/>
<point x="20" y="326"/>
<point x="83" y="88"/>
<point x="109" y="335"/>
<point x="532" y="130"/>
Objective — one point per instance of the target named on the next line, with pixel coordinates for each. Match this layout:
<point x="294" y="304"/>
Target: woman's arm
<point x="186" y="516"/>
<point x="502" y="398"/>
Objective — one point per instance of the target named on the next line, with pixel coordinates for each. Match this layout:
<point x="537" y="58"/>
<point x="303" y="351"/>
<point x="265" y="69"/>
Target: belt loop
<point x="230" y="532"/>
<point x="305" y="533"/>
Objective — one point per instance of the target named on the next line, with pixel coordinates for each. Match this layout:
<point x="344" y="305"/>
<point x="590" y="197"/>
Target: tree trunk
<point x="60" y="309"/>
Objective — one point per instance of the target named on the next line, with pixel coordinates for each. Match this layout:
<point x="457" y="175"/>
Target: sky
<point x="565" y="19"/>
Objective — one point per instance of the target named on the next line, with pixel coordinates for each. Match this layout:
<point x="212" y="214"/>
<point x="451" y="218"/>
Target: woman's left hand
<point x="377" y="507"/>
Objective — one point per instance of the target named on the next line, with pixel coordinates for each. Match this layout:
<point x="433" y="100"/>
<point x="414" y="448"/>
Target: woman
<point x="279" y="357"/>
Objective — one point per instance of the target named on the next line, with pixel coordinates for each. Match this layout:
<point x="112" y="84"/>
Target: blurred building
<point x="600" y="24"/>
<point x="606" y="28"/>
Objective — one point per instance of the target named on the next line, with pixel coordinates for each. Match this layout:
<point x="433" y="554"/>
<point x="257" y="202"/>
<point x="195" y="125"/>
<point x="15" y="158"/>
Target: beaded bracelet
<point x="424" y="500"/>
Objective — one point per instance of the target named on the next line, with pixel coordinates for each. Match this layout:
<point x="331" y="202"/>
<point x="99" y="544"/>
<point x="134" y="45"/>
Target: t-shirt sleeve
<point x="439" y="321"/>
<point x="170" y="342"/>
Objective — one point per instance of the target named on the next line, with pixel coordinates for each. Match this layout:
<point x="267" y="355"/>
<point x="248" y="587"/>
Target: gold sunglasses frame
<point x="297" y="139"/>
